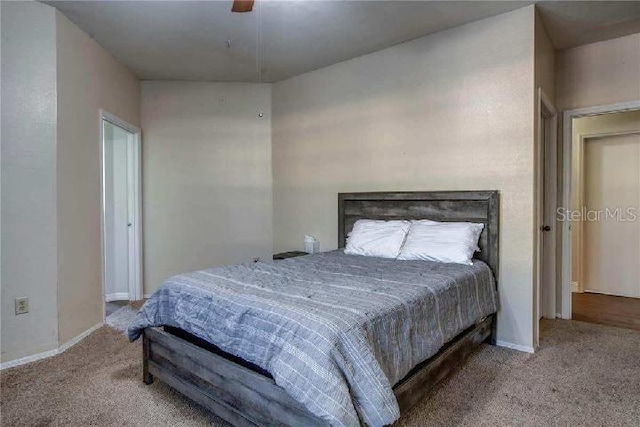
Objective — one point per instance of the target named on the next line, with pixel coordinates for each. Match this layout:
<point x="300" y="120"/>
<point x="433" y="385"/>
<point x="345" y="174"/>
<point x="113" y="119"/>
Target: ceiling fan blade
<point x="242" y="6"/>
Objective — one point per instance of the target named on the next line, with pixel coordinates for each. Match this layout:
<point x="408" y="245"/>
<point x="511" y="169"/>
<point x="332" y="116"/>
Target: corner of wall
<point x="217" y="194"/>
<point x="585" y="76"/>
<point x="544" y="57"/>
<point x="544" y="81"/>
<point x="29" y="239"/>
<point x="82" y="63"/>
<point x="357" y="134"/>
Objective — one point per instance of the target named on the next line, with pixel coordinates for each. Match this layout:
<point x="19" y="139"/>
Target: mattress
<point x="335" y="331"/>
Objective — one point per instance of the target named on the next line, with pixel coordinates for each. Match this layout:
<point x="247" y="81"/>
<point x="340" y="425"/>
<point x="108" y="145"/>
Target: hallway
<point x="610" y="310"/>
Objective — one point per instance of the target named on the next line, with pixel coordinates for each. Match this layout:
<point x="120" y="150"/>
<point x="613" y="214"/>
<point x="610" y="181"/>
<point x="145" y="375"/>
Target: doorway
<point x="601" y="199"/>
<point x="121" y="219"/>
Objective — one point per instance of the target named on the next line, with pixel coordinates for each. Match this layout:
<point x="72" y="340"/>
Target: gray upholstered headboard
<point x="467" y="206"/>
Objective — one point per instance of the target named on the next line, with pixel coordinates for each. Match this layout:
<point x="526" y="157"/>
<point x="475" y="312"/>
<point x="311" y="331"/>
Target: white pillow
<point x="377" y="238"/>
<point x="454" y="242"/>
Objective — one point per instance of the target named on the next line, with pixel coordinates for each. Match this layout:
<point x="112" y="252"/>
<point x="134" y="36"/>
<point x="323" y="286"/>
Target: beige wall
<point x="89" y="79"/>
<point x="597" y="74"/>
<point x="28" y="178"/>
<point x="545" y="61"/>
<point x="601" y="73"/>
<point x="206" y="176"/>
<point x="584" y="126"/>
<point x="55" y="79"/>
<point x="450" y="111"/>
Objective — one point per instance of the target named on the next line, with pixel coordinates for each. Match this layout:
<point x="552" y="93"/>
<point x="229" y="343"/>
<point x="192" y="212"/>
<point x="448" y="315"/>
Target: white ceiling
<point x="187" y="40"/>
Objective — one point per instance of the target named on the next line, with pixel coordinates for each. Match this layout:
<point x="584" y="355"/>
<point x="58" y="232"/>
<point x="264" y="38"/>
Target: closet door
<point x="612" y="241"/>
<point x="116" y="212"/>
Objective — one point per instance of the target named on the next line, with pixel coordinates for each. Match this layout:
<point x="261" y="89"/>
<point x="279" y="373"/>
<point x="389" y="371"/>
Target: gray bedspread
<point x="335" y="331"/>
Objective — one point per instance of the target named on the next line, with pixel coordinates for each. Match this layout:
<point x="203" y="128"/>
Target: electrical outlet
<point x="22" y="305"/>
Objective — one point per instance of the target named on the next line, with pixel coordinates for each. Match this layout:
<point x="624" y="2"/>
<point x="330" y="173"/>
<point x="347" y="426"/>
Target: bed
<point x="328" y="339"/>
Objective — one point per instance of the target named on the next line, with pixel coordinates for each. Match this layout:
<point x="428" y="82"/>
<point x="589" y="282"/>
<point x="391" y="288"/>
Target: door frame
<point x="134" y="202"/>
<point x="580" y="188"/>
<point x="578" y="285"/>
<point x="546" y="166"/>
<point x="567" y="143"/>
<point x="546" y="153"/>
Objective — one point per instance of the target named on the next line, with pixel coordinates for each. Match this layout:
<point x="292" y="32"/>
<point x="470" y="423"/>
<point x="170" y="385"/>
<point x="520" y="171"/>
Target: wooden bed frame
<point x="245" y="395"/>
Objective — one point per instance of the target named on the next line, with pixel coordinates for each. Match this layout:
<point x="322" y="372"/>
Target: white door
<point x="612" y="240"/>
<point x="119" y="202"/>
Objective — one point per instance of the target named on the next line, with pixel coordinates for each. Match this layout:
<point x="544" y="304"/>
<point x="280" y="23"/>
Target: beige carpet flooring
<point x="583" y="375"/>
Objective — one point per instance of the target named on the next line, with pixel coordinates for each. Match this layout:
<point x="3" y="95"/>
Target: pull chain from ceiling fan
<point x="259" y="52"/>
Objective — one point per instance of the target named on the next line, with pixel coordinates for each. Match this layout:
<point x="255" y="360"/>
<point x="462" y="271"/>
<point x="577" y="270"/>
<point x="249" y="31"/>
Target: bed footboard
<point x="235" y="393"/>
<point x="417" y="385"/>
<point x="244" y="397"/>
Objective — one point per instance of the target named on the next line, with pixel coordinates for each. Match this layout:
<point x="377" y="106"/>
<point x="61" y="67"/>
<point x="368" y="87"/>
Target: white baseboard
<point x="73" y="341"/>
<point x="146" y="296"/>
<point x="575" y="287"/>
<point x="49" y="353"/>
<point x="524" y="348"/>
<point x="592" y="291"/>
<point x="118" y="296"/>
<point x="28" y="359"/>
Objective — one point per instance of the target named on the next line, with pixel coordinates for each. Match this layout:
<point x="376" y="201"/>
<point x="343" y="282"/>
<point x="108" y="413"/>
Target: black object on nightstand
<point x="291" y="254"/>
